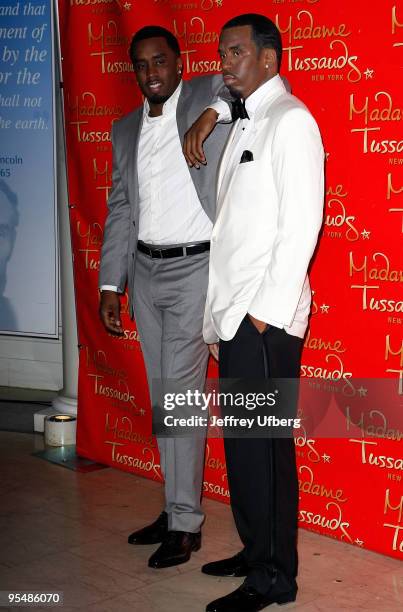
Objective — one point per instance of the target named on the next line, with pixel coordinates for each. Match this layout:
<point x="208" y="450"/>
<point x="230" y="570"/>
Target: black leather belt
<point x="179" y="251"/>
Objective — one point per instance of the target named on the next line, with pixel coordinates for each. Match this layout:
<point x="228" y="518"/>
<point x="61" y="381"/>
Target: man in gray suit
<point x="156" y="240"/>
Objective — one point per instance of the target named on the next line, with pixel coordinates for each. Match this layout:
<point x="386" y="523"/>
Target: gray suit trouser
<point x="169" y="300"/>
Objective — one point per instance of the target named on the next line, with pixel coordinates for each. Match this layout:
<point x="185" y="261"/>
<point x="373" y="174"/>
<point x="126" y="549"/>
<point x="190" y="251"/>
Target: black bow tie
<point x="238" y="110"/>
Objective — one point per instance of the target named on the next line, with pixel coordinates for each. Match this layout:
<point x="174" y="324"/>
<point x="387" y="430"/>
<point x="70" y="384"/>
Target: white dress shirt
<point x="170" y="210"/>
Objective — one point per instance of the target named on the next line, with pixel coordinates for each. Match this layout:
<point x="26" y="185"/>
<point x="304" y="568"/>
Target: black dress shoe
<point x="175" y="549"/>
<point x="246" y="599"/>
<point x="232" y="567"/>
<point x="152" y="534"/>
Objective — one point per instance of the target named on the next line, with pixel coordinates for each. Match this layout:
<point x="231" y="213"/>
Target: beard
<point x="158" y="99"/>
<point x="235" y="93"/>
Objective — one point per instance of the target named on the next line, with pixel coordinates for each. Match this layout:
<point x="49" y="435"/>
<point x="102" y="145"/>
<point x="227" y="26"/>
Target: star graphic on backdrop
<point x="325" y="308"/>
<point x="127" y="6"/>
<point x="365" y="234"/>
<point x="326" y="458"/>
<point x="219" y="2"/>
<point x="358" y="542"/>
<point x="362" y="392"/>
<point x="369" y="74"/>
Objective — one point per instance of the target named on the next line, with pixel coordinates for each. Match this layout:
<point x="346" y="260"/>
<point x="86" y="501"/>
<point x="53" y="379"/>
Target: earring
<point x="267" y="65"/>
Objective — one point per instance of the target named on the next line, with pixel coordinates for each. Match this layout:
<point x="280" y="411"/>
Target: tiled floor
<point x="66" y="531"/>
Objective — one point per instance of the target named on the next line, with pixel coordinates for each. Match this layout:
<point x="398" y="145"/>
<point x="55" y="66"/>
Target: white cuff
<point x="109" y="288"/>
<point x="222" y="108"/>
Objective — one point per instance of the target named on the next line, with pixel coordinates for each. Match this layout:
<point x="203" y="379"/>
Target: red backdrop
<point x="344" y="61"/>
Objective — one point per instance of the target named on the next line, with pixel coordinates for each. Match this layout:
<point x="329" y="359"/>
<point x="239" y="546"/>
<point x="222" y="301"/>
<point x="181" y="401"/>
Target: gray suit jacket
<point x="122" y="223"/>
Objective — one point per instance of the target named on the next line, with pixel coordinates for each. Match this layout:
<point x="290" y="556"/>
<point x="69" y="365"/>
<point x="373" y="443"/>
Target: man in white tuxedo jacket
<point x="269" y="213"/>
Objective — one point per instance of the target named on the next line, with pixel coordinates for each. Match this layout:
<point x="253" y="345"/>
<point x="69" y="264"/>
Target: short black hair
<point x="265" y="33"/>
<point x="153" y="31"/>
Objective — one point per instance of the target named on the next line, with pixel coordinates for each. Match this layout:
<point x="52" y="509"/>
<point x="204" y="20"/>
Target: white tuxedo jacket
<point x="267" y="222"/>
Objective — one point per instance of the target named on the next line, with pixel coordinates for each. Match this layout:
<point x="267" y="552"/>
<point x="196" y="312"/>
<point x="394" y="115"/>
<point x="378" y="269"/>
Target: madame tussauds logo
<point x="394" y="506"/>
<point x="392" y="191"/>
<point x="372" y="424"/>
<point x="195" y="33"/>
<point x="117" y="5"/>
<point x="395" y="353"/>
<point x="380" y="271"/>
<point x="122" y="429"/>
<point x="314" y="488"/>
<point x="107" y="40"/>
<point x="337" y="217"/>
<point x="396" y="26"/>
<point x="91" y="2"/>
<point x="87" y="105"/>
<point x="214" y="463"/>
<point x="307" y="444"/>
<point x="119" y="392"/>
<point x="335" y="372"/>
<point x="332" y="523"/>
<point x="99" y="360"/>
<point x="102" y="177"/>
<point x="90" y="242"/>
<point x="370" y="457"/>
<point x="86" y="135"/>
<point x="145" y="464"/>
<point x="215" y="489"/>
<point x="380" y="109"/>
<point x="303" y="28"/>
<point x="319" y="344"/>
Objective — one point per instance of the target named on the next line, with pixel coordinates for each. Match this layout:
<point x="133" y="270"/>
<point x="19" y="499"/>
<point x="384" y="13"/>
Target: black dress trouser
<point x="262" y="473"/>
